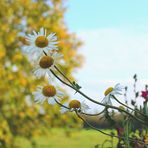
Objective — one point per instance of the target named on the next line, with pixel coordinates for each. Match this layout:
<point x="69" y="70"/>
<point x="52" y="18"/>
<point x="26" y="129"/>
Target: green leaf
<point x="76" y="86"/>
<point x="137" y="94"/>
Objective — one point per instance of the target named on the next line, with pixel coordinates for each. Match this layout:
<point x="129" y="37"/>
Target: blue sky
<point x="115" y="36"/>
<point x="108" y="13"/>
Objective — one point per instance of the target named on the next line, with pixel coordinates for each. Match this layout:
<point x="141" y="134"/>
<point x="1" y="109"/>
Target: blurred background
<point x="103" y="43"/>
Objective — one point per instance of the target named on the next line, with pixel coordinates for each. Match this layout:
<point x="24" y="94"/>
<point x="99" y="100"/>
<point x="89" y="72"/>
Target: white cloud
<point x="112" y="56"/>
<point x="114" y="53"/>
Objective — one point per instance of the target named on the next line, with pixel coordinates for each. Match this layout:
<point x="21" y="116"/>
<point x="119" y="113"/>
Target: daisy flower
<point x="116" y="90"/>
<point x="39" y="42"/>
<point x="46" y="62"/>
<point x="74" y="105"/>
<point x="48" y="92"/>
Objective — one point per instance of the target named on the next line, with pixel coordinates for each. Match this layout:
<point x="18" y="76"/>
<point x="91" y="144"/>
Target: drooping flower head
<point x="47" y="92"/>
<point x="109" y="92"/>
<point x="145" y="94"/>
<point x="45" y="63"/>
<point x="74" y="105"/>
<point x="39" y="42"/>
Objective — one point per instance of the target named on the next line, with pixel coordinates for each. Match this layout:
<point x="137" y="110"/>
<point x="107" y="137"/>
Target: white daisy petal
<point x="111" y="91"/>
<point x="41" y="31"/>
<point x="41" y="94"/>
<point x="106" y="100"/>
<point x="84" y="106"/>
<point x="73" y="105"/>
<point x="42" y="72"/>
<point x="51" y="101"/>
<point x="51" y="35"/>
<point x="35" y="33"/>
<point x="57" y="98"/>
<point x="66" y="104"/>
<point x="63" y="110"/>
<point x="51" y="41"/>
<point x="60" y="93"/>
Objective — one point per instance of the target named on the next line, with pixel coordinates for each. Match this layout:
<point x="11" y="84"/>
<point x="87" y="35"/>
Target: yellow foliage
<point x="18" y="116"/>
<point x="23" y="82"/>
<point x="22" y="114"/>
<point x="17" y="57"/>
<point x="2" y="54"/>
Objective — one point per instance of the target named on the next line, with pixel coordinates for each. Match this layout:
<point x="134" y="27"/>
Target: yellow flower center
<point x="46" y="62"/>
<point x="49" y="91"/>
<point x="109" y="90"/>
<point x="74" y="104"/>
<point x="41" y="41"/>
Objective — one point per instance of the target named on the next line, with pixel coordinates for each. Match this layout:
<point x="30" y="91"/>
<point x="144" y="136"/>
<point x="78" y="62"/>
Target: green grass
<point x="60" y="138"/>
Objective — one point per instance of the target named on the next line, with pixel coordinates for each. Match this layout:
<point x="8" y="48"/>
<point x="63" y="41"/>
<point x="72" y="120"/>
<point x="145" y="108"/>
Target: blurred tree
<point x="19" y="115"/>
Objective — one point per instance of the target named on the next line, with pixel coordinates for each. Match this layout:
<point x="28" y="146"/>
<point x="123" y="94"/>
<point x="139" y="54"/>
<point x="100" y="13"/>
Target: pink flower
<point x="138" y="145"/>
<point x="120" y="131"/>
<point x="144" y="94"/>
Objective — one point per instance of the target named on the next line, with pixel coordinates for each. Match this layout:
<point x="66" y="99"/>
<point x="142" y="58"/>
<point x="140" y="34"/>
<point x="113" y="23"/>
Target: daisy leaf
<point x="76" y="86"/>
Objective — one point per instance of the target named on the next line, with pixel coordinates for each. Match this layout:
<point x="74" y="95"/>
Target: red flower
<point x="144" y="94"/>
<point x="138" y="145"/>
<point x="120" y="131"/>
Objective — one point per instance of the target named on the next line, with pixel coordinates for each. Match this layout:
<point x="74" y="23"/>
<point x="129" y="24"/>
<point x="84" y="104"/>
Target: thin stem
<point x="79" y="112"/>
<point x="105" y="132"/>
<point x="96" y="102"/>
<point x="61" y="104"/>
<point x="129" y="107"/>
<point x="63" y="74"/>
<point x="97" y="114"/>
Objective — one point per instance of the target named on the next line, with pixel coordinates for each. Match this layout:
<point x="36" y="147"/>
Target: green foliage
<point x="73" y="138"/>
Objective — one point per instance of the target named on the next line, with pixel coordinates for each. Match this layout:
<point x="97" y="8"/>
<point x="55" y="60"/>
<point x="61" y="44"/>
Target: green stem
<point x="96" y="102"/>
<point x="63" y="74"/>
<point x="129" y="107"/>
<point x="80" y="112"/>
<point x="119" y="137"/>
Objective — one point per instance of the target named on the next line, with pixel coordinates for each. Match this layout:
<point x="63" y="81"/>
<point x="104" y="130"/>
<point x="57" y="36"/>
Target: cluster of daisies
<point x="42" y="49"/>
